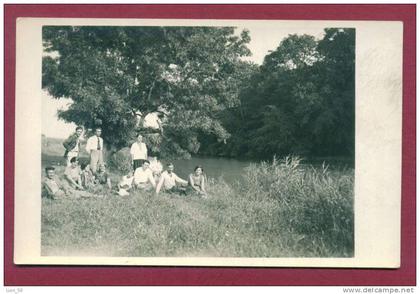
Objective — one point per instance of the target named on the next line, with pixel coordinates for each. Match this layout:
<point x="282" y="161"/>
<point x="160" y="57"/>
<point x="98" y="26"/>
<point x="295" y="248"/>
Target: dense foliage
<point x="113" y="74"/>
<point x="299" y="101"/>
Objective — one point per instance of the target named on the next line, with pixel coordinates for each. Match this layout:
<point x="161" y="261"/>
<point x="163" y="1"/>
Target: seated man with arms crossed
<point x="168" y="181"/>
<point x="143" y="177"/>
<point x="52" y="186"/>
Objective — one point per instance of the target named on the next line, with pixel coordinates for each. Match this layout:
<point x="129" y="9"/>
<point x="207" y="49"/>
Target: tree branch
<point x="150" y="90"/>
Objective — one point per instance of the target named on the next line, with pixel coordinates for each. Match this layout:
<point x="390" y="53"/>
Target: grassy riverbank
<point x="281" y="209"/>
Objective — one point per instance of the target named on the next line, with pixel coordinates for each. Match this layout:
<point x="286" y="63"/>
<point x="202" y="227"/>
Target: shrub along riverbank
<point x="280" y="209"/>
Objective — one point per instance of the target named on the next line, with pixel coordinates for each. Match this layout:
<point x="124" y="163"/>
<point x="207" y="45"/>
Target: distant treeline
<point x="301" y="100"/>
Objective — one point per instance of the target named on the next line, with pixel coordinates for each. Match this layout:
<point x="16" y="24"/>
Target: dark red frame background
<point x="117" y="275"/>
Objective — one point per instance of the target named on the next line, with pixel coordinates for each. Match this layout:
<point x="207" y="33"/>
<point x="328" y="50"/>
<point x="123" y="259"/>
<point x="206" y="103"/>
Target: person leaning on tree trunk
<point x="94" y="148"/>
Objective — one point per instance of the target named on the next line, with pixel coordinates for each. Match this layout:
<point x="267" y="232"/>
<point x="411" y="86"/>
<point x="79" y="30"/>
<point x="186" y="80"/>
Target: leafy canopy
<point x="188" y="74"/>
<point x="299" y="101"/>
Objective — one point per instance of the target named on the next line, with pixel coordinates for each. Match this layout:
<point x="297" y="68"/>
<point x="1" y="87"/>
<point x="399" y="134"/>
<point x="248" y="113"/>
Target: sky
<point x="263" y="40"/>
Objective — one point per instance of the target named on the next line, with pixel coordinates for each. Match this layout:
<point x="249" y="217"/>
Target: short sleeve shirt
<point x="139" y="151"/>
<point x="73" y="173"/>
<point x="143" y="176"/>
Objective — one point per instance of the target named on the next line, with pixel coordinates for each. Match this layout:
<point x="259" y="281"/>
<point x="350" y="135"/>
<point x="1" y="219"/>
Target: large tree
<point x="112" y="74"/>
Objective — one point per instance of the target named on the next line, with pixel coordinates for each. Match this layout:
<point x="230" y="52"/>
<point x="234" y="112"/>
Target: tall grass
<point x="279" y="209"/>
<point x="313" y="206"/>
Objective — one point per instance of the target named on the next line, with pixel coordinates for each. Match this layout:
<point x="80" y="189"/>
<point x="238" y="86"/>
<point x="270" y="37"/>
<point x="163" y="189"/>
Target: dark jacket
<point x="70" y="143"/>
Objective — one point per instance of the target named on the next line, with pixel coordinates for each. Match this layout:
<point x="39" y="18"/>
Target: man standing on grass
<point x="94" y="147"/>
<point x="72" y="145"/>
<point x="169" y="180"/>
<point x="138" y="152"/>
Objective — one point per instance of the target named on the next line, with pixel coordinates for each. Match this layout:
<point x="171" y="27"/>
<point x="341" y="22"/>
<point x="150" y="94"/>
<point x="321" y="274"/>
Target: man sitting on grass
<point x="143" y="177"/>
<point x="169" y="180"/>
<point x="52" y="187"/>
<point x="73" y="174"/>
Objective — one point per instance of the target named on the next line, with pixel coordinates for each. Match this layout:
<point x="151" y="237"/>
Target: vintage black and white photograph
<point x="198" y="141"/>
<point x="249" y="143"/>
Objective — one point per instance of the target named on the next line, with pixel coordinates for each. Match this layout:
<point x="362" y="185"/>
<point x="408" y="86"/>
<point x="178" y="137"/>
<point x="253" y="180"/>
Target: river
<point x="229" y="169"/>
<point x="232" y="169"/>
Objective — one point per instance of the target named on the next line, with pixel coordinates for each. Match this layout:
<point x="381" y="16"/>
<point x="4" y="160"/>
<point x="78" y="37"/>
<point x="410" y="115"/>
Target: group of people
<point x="143" y="178"/>
<point x="92" y="180"/>
<point x="79" y="182"/>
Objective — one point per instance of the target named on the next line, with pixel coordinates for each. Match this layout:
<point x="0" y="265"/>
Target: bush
<point x="313" y="203"/>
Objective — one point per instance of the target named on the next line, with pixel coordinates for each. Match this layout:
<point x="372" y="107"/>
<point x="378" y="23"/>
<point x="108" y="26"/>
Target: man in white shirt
<point x="138" y="152"/>
<point x="94" y="147"/>
<point x="168" y="181"/>
<point x="143" y="177"/>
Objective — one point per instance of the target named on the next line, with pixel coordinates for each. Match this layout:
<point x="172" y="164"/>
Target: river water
<point x="232" y="169"/>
